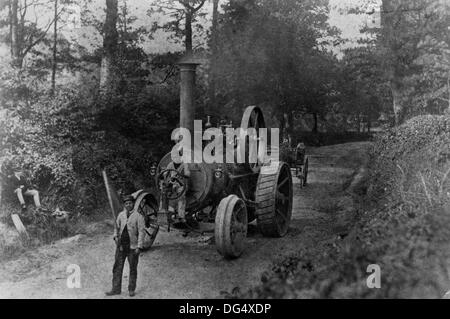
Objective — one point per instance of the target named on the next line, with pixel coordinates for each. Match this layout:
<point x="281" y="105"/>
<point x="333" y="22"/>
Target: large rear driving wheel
<point x="274" y="199"/>
<point x="253" y="119"/>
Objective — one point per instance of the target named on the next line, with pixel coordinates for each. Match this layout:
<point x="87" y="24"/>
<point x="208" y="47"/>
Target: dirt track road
<point x="178" y="267"/>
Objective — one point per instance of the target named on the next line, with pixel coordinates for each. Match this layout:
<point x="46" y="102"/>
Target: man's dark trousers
<point x="122" y="253"/>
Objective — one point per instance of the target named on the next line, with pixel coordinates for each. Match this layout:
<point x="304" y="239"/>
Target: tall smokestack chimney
<point x="187" y="95"/>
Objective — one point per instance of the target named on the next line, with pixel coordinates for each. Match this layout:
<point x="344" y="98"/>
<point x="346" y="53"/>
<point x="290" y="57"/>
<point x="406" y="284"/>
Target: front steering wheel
<point x="173" y="183"/>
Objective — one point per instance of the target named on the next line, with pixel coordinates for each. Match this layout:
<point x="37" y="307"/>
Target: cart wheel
<point x="305" y="172"/>
<point x="274" y="198"/>
<point x="231" y="227"/>
<point x="147" y="206"/>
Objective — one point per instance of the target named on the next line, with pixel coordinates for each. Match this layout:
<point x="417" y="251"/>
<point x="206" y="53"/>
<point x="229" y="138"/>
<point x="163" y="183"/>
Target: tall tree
<point x="179" y="10"/>
<point x="55" y="49"/>
<point x="130" y="55"/>
<point x="411" y="32"/>
<point x="17" y="60"/>
<point x="24" y="34"/>
<point x="361" y="85"/>
<point x="121" y="54"/>
<point x="213" y="57"/>
<point x="108" y="74"/>
<point x="270" y="53"/>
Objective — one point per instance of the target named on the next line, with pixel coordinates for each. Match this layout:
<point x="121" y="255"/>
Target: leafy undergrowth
<point x="41" y="227"/>
<point x="403" y="226"/>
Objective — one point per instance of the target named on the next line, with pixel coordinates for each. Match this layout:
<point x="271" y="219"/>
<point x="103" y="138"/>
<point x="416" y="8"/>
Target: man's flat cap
<point x="128" y="198"/>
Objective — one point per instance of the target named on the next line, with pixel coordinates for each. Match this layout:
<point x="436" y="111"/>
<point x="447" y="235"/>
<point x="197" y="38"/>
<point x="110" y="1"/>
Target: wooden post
<point x="20" y="227"/>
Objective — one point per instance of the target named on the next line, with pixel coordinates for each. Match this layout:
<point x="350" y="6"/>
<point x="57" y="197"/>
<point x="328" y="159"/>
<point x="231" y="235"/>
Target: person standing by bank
<point x="130" y="242"/>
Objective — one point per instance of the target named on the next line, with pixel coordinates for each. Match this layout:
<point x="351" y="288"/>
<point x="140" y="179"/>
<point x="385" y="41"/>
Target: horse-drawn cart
<point x="298" y="161"/>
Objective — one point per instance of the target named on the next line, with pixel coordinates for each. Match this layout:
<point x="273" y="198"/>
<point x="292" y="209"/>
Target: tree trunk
<point x="316" y="124"/>
<point x="289" y="127"/>
<point x="1" y="189"/>
<point x="55" y="39"/>
<point x="360" y="124"/>
<point x="448" y="91"/>
<point x="282" y="125"/>
<point x="108" y="73"/>
<point x="188" y="30"/>
<point x="17" y="61"/>
<point x="213" y="61"/>
<point x="396" y="101"/>
<point x="10" y="26"/>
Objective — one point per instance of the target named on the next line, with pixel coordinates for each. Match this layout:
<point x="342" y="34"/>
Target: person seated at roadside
<point x="22" y="187"/>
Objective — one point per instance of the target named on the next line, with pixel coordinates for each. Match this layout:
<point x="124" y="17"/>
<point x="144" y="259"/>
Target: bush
<point x="413" y="159"/>
<point x="41" y="227"/>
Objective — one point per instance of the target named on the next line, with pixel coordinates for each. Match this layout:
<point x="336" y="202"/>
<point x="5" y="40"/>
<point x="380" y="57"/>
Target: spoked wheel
<point x="231" y="227"/>
<point x="147" y="206"/>
<point x="274" y="199"/>
<point x="162" y="165"/>
<point x="305" y="172"/>
<point x="253" y="118"/>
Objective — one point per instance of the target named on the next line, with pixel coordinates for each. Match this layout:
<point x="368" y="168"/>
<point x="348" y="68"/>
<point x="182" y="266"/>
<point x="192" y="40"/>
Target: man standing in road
<point x="130" y="242"/>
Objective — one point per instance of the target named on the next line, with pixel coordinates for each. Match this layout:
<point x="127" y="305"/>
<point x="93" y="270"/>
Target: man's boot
<point x="132" y="293"/>
<point x="112" y="293"/>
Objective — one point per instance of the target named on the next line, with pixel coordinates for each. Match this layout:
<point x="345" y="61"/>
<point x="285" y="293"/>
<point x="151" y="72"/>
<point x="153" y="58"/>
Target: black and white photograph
<point x="227" y="150"/>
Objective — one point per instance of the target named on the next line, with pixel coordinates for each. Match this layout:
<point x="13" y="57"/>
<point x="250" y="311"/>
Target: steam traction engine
<point x="227" y="195"/>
